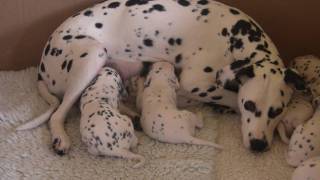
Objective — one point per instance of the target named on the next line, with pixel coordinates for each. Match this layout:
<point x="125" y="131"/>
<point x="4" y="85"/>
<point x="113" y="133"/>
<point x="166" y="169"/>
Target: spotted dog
<point x="299" y="111"/>
<point x="199" y="37"/>
<point x="103" y="129"/>
<point x="160" y="118"/>
<point x="309" y="170"/>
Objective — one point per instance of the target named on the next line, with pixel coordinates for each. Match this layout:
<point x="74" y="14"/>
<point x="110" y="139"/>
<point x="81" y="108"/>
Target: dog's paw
<point x="61" y="145"/>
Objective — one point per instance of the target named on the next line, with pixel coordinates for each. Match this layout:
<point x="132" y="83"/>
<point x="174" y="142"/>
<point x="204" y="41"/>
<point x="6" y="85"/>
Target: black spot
<point x="203" y="94"/>
<point x="83" y="55"/>
<point x="282" y="93"/>
<point x="47" y="50"/>
<point x="88" y="13"/>
<point x="225" y="32"/>
<point x="178" y="58"/>
<point x="273" y="71"/>
<point x="211" y="89"/>
<point x="158" y="7"/>
<point x="258" y="114"/>
<point x="247" y="28"/>
<point x="216" y="97"/>
<point x="194" y="90"/>
<point x="232" y="85"/>
<point x="273" y="113"/>
<point x="203" y="2"/>
<point x="208" y="69"/>
<point x="262" y="47"/>
<point x="99" y="25"/>
<point x="205" y="12"/>
<point x="136" y="2"/>
<point x="250" y="106"/>
<point x="148" y="42"/>
<point x="248" y="120"/>
<point x="179" y="41"/>
<point x="239" y="63"/>
<point x="53" y="82"/>
<point x="64" y="64"/>
<point x="80" y="36"/>
<point x="184" y="2"/>
<point x="171" y="41"/>
<point x="42" y="67"/>
<point x="235" y="12"/>
<point x="69" y="66"/>
<point x="114" y="5"/>
<point x="67" y="37"/>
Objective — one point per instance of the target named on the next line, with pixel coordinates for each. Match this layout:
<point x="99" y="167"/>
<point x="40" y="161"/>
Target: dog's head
<point x="264" y="92"/>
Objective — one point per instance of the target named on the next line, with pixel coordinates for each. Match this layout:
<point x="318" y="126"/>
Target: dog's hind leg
<point x="89" y="57"/>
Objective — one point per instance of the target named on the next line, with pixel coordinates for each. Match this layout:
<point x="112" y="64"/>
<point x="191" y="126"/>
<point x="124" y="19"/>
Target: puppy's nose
<point x="258" y="145"/>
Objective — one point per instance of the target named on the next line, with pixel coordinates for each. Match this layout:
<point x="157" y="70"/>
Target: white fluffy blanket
<point x="28" y="154"/>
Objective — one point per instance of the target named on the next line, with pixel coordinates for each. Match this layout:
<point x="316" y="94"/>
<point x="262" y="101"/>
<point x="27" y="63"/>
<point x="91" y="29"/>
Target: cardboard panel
<point x="25" y="25"/>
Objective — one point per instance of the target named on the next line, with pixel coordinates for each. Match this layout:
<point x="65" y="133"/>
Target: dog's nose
<point x="258" y="145"/>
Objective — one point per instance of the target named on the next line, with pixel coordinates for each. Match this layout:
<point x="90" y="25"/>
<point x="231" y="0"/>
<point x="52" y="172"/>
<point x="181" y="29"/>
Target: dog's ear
<point x="241" y="76"/>
<point x="292" y="77"/>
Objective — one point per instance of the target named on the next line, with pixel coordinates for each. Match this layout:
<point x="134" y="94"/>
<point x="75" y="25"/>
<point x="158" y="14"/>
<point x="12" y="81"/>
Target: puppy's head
<point x="162" y="72"/>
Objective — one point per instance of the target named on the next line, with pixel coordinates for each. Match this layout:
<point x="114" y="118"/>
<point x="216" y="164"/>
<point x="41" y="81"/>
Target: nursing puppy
<point x="298" y="112"/>
<point x="160" y="118"/>
<point x="103" y="129"/>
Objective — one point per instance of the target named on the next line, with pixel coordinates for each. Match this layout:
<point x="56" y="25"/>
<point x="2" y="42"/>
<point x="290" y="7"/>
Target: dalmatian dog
<point x="103" y="129"/>
<point x="304" y="142"/>
<point x="160" y="118"/>
<point x="299" y="111"/>
<point x="200" y="37"/>
<point x="308" y="170"/>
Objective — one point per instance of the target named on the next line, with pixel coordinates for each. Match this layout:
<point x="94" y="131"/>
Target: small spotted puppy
<point x="298" y="112"/>
<point x="309" y="170"/>
<point x="305" y="141"/>
<point x="103" y="129"/>
<point x="160" y="118"/>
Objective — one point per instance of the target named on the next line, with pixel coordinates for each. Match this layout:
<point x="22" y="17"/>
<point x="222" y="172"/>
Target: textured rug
<point x="28" y="154"/>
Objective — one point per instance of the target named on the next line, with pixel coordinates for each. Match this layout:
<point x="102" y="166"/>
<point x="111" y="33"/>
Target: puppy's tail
<point x="196" y="141"/>
<point x="51" y="100"/>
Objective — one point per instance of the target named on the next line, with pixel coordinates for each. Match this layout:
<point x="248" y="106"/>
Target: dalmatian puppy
<point x="304" y="142"/>
<point x="103" y="129"/>
<point x="160" y="118"/>
<point x="199" y="37"/>
<point x="308" y="170"/>
<point x="299" y="111"/>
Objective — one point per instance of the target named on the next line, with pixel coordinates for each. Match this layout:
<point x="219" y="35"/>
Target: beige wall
<point x="294" y="25"/>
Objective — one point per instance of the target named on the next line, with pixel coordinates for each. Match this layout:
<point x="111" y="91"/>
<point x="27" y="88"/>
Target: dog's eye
<point x="273" y="113"/>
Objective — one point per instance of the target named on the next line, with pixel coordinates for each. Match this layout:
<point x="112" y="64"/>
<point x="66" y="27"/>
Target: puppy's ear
<point x="292" y="77"/>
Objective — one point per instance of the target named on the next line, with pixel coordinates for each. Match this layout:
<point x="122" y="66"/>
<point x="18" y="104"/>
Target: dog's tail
<point x="51" y="100"/>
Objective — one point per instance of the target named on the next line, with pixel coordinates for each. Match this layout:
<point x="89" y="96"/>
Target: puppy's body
<point x="103" y="129"/>
<point x="160" y="117"/>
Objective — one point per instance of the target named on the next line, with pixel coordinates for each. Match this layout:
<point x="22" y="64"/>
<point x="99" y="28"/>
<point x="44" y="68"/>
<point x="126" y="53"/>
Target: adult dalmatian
<point x="217" y="48"/>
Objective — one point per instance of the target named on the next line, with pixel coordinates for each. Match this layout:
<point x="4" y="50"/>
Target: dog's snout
<point x="258" y="145"/>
